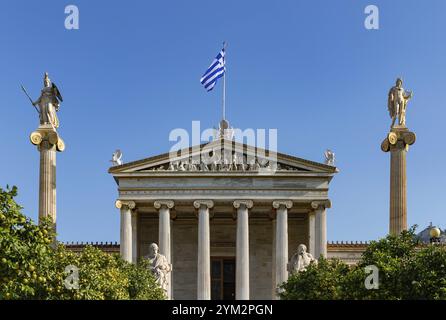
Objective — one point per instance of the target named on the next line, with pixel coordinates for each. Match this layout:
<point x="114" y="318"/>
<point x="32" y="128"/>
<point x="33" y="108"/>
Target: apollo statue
<point x="159" y="266"/>
<point x="48" y="103"/>
<point x="300" y="260"/>
<point x="397" y="103"/>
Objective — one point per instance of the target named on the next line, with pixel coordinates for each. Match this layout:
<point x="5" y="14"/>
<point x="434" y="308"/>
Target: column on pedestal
<point x="204" y="250"/>
<point x="47" y="181"/>
<point x="398" y="201"/>
<point x="126" y="228"/>
<point x="242" y="249"/>
<point x="397" y="142"/>
<point x="281" y="262"/>
<point x="164" y="236"/>
<point x="320" y="227"/>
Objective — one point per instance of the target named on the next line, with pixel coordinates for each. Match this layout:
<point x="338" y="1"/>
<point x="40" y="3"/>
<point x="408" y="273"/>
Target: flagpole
<point x="224" y="83"/>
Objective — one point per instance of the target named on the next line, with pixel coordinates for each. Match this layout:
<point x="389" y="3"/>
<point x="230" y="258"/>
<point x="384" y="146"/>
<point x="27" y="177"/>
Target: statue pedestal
<point x="48" y="142"/>
<point x="397" y="142"/>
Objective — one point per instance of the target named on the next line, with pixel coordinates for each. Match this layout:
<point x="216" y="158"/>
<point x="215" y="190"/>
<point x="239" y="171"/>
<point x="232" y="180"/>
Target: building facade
<point x="229" y="225"/>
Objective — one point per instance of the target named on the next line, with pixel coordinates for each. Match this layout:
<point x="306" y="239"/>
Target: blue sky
<point x="131" y="73"/>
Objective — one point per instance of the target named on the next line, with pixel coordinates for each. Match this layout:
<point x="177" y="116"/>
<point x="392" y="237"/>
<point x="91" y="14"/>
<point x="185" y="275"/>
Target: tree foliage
<point x="407" y="270"/>
<point x="32" y="268"/>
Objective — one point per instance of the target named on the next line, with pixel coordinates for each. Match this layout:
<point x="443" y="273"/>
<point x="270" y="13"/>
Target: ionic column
<point x="204" y="250"/>
<point x="135" y="236"/>
<point x="126" y="228"/>
<point x="281" y="207"/>
<point x="397" y="142"/>
<point x="321" y="227"/>
<point x="312" y="232"/>
<point x="48" y="142"/>
<point x="242" y="249"/>
<point x="47" y="181"/>
<point x="164" y="238"/>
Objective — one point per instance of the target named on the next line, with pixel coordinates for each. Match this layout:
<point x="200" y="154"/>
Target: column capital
<point x="208" y="203"/>
<point x="159" y="203"/>
<point x="399" y="138"/>
<point x="124" y="203"/>
<point x="286" y="203"/>
<point x="320" y="203"/>
<point x="247" y="203"/>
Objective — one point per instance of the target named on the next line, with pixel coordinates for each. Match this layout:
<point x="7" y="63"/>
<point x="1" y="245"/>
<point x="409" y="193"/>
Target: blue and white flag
<point x="215" y="71"/>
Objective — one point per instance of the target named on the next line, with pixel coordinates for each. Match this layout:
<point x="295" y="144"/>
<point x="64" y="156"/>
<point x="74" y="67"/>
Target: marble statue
<point x="48" y="103"/>
<point x="329" y="157"/>
<point x="203" y="166"/>
<point x="116" y="158"/>
<point x="230" y="163"/>
<point x="397" y="102"/>
<point x="159" y="265"/>
<point x="300" y="260"/>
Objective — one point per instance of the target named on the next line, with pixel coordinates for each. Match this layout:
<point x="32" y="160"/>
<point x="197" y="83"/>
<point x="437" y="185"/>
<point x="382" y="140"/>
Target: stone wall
<point x="184" y="237"/>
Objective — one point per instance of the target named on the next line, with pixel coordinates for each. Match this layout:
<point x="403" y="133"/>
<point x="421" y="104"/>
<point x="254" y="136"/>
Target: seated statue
<point x="300" y="260"/>
<point x="160" y="267"/>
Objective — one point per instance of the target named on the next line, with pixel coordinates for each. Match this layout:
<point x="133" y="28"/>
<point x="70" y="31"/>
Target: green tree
<point x="31" y="268"/>
<point x="407" y="270"/>
<point x="320" y="281"/>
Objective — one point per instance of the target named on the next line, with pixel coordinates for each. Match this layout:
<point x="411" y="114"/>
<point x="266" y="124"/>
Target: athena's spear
<point x="24" y="90"/>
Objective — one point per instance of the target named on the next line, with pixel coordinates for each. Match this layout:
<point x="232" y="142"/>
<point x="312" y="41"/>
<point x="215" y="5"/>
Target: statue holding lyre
<point x="397" y="103"/>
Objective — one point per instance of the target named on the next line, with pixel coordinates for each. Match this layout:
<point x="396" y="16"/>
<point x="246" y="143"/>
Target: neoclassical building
<point x="228" y="226"/>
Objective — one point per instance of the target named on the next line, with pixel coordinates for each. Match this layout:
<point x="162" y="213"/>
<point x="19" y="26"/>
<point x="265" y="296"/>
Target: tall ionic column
<point x="281" y="207"/>
<point x="397" y="142"/>
<point x="48" y="143"/>
<point x="242" y="249"/>
<point x="164" y="238"/>
<point x="320" y="227"/>
<point x="126" y="228"/>
<point x="135" y="236"/>
<point x="312" y="232"/>
<point x="204" y="250"/>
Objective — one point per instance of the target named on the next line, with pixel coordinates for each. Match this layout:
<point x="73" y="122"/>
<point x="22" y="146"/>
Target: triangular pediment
<point x="223" y="156"/>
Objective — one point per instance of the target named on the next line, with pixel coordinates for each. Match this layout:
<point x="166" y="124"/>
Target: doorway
<point x="222" y="278"/>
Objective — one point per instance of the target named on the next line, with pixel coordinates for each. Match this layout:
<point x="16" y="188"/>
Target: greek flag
<point x="215" y="71"/>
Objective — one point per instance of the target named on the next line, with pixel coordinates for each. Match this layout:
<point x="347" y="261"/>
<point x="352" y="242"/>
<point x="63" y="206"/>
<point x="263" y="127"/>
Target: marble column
<point x="312" y="232"/>
<point x="320" y="227"/>
<point x="47" y="181"/>
<point x="164" y="236"/>
<point x="135" y="236"/>
<point x="204" y="250"/>
<point x="397" y="142"/>
<point x="242" y="249"/>
<point x="126" y="228"/>
<point x="48" y="142"/>
<point x="281" y="207"/>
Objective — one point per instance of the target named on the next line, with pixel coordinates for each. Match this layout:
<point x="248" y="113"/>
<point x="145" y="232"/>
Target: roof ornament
<point x="329" y="157"/>
<point x="116" y="158"/>
<point x="224" y="131"/>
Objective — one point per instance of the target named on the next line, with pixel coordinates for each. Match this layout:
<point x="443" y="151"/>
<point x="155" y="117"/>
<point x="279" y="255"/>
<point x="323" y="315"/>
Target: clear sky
<point x="130" y="75"/>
